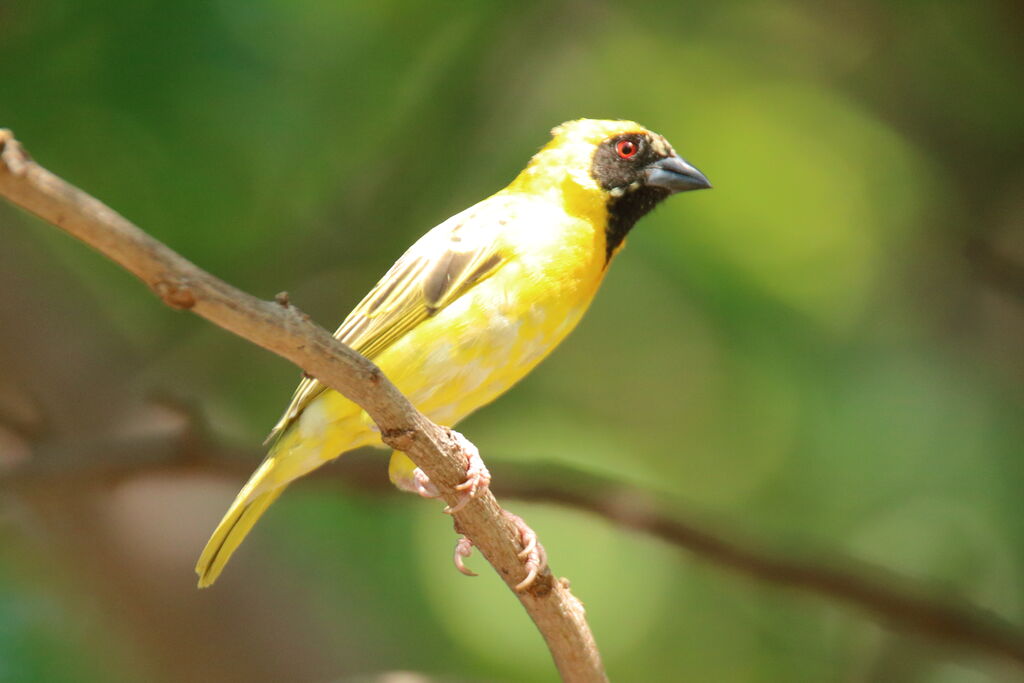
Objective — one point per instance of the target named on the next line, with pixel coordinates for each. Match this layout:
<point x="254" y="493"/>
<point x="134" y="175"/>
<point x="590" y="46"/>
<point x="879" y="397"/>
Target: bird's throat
<point x="624" y="211"/>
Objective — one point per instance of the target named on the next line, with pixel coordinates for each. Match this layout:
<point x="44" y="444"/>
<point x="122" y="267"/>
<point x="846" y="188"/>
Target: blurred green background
<point x="825" y="352"/>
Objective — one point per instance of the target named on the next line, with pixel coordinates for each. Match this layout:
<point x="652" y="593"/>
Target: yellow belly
<point x="478" y="347"/>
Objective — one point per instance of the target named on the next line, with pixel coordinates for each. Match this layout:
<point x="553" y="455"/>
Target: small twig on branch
<point x="281" y="328"/>
<point x="891" y="600"/>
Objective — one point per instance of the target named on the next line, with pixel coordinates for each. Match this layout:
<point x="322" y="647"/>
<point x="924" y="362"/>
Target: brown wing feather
<point x="430" y="275"/>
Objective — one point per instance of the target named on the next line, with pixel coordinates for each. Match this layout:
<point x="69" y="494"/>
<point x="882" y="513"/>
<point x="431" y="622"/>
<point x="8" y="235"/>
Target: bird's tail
<point x="337" y="425"/>
<point x="249" y="505"/>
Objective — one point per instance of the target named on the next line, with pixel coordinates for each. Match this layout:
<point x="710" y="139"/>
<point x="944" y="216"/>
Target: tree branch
<point x="282" y="329"/>
<point x="996" y="268"/>
<point x="889" y="599"/>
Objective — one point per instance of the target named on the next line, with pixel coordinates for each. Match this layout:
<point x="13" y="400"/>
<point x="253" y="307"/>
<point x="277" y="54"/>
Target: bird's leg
<point x="478" y="479"/>
<point x="534" y="558"/>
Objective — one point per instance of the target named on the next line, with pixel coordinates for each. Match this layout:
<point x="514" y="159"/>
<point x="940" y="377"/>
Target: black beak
<point x="675" y="175"/>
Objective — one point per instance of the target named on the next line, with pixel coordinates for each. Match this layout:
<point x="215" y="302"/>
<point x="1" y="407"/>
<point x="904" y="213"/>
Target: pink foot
<point x="478" y="479"/>
<point x="463" y="549"/>
<point x="534" y="558"/>
<point x="422" y="485"/>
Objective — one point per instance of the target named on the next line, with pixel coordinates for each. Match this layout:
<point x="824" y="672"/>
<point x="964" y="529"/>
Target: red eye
<point x="627" y="149"/>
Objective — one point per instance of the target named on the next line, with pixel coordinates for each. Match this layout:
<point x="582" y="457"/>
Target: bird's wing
<point x="436" y="270"/>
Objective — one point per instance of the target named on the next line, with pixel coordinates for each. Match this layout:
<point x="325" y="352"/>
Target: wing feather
<point x="435" y="271"/>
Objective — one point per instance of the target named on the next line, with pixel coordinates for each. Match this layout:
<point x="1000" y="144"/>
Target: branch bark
<point x="281" y="328"/>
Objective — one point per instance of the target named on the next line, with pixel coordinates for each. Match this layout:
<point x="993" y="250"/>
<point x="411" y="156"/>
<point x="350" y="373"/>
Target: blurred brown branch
<point x="996" y="268"/>
<point x="281" y="328"/>
<point x="892" y="600"/>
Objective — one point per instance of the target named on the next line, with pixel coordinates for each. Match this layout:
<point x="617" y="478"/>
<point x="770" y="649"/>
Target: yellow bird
<point x="474" y="304"/>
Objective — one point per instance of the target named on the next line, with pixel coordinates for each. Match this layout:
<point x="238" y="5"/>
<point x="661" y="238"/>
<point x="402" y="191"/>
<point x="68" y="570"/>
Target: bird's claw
<point x="422" y="485"/>
<point x="478" y="478"/>
<point x="533" y="555"/>
<point x="529" y="541"/>
<point x="463" y="549"/>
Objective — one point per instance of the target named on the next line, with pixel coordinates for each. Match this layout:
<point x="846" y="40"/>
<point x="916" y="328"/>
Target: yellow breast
<point x="491" y="337"/>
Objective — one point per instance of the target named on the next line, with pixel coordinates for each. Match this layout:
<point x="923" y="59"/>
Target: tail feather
<point x="335" y="427"/>
<point x="232" y="530"/>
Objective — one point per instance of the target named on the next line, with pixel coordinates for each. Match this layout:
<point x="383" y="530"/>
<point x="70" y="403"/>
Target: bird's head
<point x="617" y="166"/>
